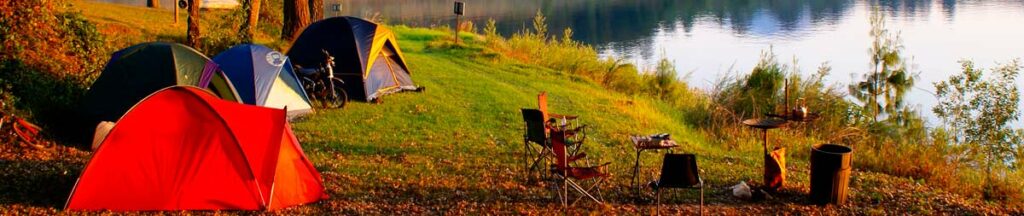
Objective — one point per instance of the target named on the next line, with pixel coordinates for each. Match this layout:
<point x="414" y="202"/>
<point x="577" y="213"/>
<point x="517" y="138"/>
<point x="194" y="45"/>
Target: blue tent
<point x="264" y="77"/>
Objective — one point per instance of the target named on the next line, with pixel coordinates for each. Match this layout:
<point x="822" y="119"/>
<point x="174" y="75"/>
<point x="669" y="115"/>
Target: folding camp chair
<point x="536" y="132"/>
<point x="566" y="120"/>
<point x="569" y="175"/>
<point x="542" y="104"/>
<point x="679" y="171"/>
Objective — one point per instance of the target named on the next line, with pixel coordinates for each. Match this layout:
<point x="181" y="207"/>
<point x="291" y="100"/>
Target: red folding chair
<point x="570" y="175"/>
<point x="535" y="132"/>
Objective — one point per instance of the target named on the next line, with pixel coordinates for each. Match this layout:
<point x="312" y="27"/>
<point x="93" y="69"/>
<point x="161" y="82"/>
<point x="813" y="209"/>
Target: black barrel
<point x="830" y="173"/>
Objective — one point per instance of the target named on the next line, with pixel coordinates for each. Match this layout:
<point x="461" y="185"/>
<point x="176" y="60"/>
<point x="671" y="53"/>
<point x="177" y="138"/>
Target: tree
<point x="194" y="33"/>
<point x="978" y="112"/>
<point x="252" y="18"/>
<point x="316" y="10"/>
<point x="296" y="17"/>
<point x="882" y="90"/>
<point x="153" y="3"/>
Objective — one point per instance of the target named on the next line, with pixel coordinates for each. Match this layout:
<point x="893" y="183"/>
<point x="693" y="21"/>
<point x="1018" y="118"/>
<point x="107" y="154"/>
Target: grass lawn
<point x="456" y="148"/>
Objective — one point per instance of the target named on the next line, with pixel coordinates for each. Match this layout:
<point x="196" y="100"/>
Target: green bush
<point x="50" y="58"/>
<point x="756" y="93"/>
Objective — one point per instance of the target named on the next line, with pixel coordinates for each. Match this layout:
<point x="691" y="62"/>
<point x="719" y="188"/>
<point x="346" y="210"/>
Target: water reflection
<point x="625" y="26"/>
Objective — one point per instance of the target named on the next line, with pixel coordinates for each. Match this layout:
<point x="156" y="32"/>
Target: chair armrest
<point x="575" y="130"/>
<point x="566" y="117"/>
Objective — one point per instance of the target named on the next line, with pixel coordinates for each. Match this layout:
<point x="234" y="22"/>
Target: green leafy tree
<point x="882" y="89"/>
<point x="978" y="111"/>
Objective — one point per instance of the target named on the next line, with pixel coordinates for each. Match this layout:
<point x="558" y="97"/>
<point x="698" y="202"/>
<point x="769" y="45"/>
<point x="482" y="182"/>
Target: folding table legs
<point x="636" y="171"/>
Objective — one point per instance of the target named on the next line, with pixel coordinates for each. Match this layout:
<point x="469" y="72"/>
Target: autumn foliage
<point x="43" y="36"/>
<point x="49" y="56"/>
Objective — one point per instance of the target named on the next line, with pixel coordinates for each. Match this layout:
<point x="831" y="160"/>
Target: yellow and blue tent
<point x="366" y="55"/>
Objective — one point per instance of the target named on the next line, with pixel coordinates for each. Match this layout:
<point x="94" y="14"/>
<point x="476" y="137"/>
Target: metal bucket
<point x="830" y="173"/>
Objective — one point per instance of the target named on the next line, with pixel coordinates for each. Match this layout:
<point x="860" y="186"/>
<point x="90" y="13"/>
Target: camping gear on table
<point x="652" y="142"/>
<point x="140" y="70"/>
<point x="799" y="112"/>
<point x="830" y="173"/>
<point x="264" y="77"/>
<point x="679" y="171"/>
<point x="368" y="57"/>
<point x="182" y="148"/>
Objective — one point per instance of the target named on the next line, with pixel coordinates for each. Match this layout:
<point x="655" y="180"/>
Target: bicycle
<point x="322" y="86"/>
<point x="14" y="129"/>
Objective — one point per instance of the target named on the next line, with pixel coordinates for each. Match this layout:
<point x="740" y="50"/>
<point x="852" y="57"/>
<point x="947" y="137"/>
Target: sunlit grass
<point x="465" y="131"/>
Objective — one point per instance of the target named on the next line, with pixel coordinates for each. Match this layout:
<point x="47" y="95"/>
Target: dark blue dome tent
<point x="366" y="55"/>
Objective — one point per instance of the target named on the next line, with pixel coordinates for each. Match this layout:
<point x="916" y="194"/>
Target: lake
<point x="708" y="39"/>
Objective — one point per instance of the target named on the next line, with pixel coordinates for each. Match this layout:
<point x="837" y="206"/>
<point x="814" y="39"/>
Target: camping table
<point x="641" y="146"/>
<point x="809" y="118"/>
<point x="765" y="125"/>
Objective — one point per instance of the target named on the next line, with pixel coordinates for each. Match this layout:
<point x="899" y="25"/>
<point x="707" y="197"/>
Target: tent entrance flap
<point x="282" y="95"/>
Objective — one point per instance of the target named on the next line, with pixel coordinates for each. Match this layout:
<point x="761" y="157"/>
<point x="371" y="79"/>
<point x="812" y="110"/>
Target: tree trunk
<point x="153" y="3"/>
<point x="251" y="21"/>
<point x="193" y="24"/>
<point x="316" y="10"/>
<point x="175" y="13"/>
<point x="296" y="17"/>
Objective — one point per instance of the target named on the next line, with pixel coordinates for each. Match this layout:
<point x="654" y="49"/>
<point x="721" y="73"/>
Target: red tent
<point x="182" y="148"/>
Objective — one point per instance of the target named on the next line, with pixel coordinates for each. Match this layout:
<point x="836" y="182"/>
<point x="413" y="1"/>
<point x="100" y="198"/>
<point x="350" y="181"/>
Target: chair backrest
<point x="542" y="103"/>
<point x="534" y="121"/>
<point x="558" y="148"/>
<point x="678" y="171"/>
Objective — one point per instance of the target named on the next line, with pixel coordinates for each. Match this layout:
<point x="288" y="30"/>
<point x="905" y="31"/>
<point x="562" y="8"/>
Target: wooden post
<point x="457" y="29"/>
<point x="460" y="8"/>
<point x="785" y="89"/>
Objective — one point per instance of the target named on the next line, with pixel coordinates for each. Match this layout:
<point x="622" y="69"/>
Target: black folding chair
<point x="533" y="126"/>
<point x="679" y="171"/>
